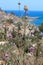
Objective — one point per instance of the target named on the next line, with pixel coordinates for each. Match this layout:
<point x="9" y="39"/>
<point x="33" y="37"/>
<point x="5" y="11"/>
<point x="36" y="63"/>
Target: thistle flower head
<point x="6" y="55"/>
<point x="31" y="49"/>
<point x="9" y="36"/>
<point x="25" y="8"/>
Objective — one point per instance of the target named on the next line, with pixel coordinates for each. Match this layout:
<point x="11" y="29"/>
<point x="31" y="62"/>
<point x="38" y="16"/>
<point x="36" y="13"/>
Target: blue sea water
<point x="31" y="14"/>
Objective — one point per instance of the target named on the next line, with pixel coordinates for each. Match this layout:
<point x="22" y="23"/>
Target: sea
<point x="38" y="14"/>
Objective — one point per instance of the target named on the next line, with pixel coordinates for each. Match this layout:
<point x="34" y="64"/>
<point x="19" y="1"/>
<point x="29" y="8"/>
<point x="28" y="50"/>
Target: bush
<point x="41" y="27"/>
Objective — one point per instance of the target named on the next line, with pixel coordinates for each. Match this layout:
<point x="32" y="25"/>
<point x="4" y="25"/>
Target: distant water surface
<point x="31" y="14"/>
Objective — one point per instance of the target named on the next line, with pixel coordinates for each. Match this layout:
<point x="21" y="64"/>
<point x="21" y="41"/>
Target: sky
<point x="35" y="5"/>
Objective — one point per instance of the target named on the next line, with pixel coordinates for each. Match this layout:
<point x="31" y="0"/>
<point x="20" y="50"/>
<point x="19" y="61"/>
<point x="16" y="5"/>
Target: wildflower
<point x="32" y="31"/>
<point x="34" y="45"/>
<point x="9" y="36"/>
<point x="6" y="55"/>
<point x="32" y="35"/>
<point x="41" y="34"/>
<point x="29" y="54"/>
<point x="14" y="43"/>
<point x="31" y="49"/>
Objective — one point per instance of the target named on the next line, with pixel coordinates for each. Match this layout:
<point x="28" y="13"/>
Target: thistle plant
<point x="26" y="9"/>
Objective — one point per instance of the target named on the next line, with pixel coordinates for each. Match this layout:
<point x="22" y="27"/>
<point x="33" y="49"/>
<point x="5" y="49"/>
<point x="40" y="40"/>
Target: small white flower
<point x="34" y="45"/>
